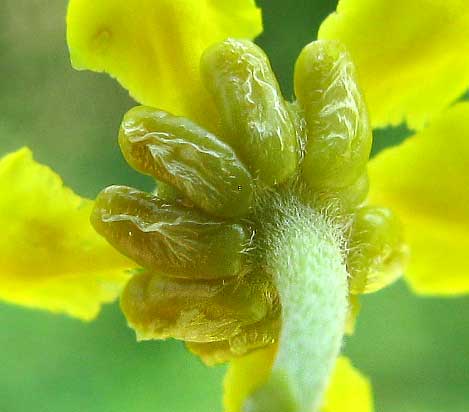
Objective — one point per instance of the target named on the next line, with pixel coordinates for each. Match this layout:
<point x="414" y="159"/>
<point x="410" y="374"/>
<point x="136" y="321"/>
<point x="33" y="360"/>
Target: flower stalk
<point x="306" y="260"/>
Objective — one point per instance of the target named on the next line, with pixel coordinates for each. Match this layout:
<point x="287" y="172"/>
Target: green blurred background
<point x="415" y="350"/>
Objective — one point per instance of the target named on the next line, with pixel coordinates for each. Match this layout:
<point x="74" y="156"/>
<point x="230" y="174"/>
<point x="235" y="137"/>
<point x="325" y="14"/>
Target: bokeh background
<point x="414" y="349"/>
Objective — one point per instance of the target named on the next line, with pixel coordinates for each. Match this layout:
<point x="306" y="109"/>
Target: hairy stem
<point x="306" y="261"/>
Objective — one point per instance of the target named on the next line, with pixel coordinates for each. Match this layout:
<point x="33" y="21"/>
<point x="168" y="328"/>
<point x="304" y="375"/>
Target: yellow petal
<point x="348" y="390"/>
<point x="153" y="47"/>
<point x="425" y="180"/>
<point x="246" y="374"/>
<point x="50" y="257"/>
<point x="412" y="56"/>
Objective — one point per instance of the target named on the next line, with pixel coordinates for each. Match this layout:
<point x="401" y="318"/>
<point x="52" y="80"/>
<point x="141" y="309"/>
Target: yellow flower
<point x="153" y="48"/>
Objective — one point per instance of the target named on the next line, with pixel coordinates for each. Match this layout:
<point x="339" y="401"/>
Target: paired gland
<point x="197" y="238"/>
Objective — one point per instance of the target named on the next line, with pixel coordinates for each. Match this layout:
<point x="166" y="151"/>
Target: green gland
<point x="339" y="135"/>
<point x="159" y="307"/>
<point x="212" y="237"/>
<point x="166" y="238"/>
<point x="256" y="121"/>
<point x="176" y="151"/>
<point x="377" y="252"/>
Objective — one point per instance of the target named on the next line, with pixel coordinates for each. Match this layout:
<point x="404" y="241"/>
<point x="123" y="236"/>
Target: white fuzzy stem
<point x="307" y="265"/>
